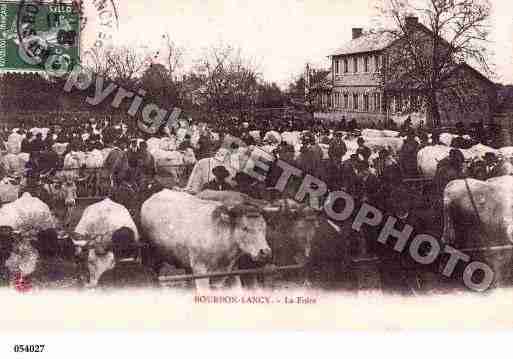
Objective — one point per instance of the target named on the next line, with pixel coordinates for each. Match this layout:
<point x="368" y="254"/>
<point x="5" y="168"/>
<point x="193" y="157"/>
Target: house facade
<point x="358" y="88"/>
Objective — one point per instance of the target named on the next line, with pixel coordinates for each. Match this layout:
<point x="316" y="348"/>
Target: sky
<point x="280" y="35"/>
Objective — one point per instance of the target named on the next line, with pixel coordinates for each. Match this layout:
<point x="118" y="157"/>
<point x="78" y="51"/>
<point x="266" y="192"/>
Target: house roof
<point x="466" y="66"/>
<point x="366" y="43"/>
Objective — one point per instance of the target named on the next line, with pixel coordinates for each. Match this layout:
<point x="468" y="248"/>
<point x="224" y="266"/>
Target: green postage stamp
<point x="32" y="32"/>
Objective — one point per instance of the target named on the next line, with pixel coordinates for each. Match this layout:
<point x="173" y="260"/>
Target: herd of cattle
<point x="210" y="231"/>
<point x="203" y="234"/>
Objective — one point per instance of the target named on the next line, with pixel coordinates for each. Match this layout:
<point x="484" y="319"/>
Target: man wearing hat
<point x="448" y="169"/>
<point x="333" y="175"/>
<point x="127" y="271"/>
<point x="496" y="167"/>
<point x="461" y="141"/>
<point x="399" y="271"/>
<point x="369" y="185"/>
<point x="408" y="155"/>
<point x="349" y="178"/>
<point x="219" y="183"/>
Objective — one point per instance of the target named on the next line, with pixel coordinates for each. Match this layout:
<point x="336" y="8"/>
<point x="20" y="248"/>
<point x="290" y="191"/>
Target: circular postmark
<point x="49" y="33"/>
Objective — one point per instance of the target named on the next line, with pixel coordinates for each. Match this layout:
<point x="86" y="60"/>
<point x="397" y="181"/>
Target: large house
<point x="358" y="87"/>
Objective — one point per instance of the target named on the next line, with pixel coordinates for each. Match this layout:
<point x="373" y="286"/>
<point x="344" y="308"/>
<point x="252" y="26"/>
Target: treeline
<point x="221" y="83"/>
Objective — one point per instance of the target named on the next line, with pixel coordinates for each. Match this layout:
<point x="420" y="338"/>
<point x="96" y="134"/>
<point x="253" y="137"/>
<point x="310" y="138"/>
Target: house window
<point x="355" y="102"/>
<point x="366" y="64"/>
<point x="377" y="102"/>
<point x="355" y="65"/>
<point x="414" y="102"/>
<point x="366" y="103"/>
<point x="336" y="66"/>
<point x="346" y="101"/>
<point x="398" y="104"/>
<point x="376" y="63"/>
<point x="346" y="66"/>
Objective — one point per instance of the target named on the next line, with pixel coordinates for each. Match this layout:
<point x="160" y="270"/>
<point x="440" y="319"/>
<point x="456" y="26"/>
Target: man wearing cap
<point x="363" y="151"/>
<point x="127" y="271"/>
<point x="219" y="183"/>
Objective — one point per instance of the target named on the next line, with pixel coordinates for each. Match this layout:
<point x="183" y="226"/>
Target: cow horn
<point x="271" y="209"/>
<point x="80" y="243"/>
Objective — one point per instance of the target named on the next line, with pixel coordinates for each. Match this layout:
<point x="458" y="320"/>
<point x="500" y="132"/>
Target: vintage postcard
<point x="183" y="165"/>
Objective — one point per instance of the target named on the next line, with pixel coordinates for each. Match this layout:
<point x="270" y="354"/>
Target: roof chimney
<point x="411" y="21"/>
<point x="357" y="32"/>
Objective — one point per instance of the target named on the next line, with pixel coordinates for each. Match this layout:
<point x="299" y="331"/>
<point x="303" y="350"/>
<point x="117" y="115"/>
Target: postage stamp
<point x="32" y="31"/>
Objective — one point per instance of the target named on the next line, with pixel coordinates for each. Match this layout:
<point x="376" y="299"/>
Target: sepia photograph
<point x="267" y="161"/>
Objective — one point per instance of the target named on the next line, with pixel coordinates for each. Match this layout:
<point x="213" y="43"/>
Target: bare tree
<point x="174" y="56"/>
<point x="124" y="65"/>
<point x="425" y="54"/>
<point x="97" y="60"/>
<point x="229" y="81"/>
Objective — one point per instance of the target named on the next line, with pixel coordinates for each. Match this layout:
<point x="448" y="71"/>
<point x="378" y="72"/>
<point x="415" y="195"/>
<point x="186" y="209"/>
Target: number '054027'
<point x="25" y="348"/>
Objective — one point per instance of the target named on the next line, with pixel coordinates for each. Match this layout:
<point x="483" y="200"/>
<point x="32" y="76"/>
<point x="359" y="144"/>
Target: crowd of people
<point x="379" y="180"/>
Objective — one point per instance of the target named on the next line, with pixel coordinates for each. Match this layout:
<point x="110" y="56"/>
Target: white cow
<point x="15" y="163"/>
<point x="429" y="157"/>
<point x="97" y="225"/>
<point x="9" y="192"/>
<point x="27" y="214"/>
<point x="205" y="236"/>
<point x="102" y="219"/>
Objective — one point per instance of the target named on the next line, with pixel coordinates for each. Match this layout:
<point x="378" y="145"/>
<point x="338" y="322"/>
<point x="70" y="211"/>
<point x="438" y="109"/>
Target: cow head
<point x="248" y="229"/>
<point x="99" y="260"/>
<point x="96" y="255"/>
<point x="293" y="223"/>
